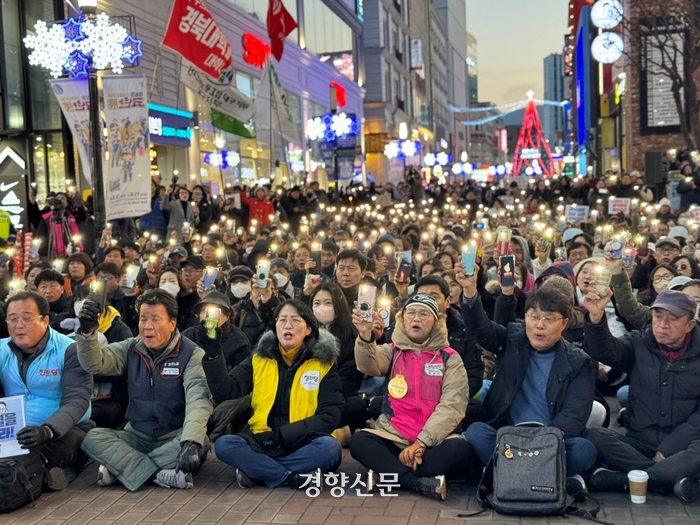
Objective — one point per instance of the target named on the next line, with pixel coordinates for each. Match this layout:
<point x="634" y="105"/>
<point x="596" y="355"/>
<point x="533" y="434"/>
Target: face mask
<point x="240" y="290"/>
<point x="519" y="284"/>
<point x="248" y="250"/>
<point x="77" y="306"/>
<point x="324" y="314"/>
<point x="171" y="288"/>
<point x="682" y="221"/>
<point x="282" y="280"/>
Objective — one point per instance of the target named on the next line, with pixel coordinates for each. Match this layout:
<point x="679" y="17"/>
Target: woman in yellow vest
<point x="296" y="398"/>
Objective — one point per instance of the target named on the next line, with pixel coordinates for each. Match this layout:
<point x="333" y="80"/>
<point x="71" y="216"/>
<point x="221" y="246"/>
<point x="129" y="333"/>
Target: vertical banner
<point x="74" y="99"/>
<point x="126" y="165"/>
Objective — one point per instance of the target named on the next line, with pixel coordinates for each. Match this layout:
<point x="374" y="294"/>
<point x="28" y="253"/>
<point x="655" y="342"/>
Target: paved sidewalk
<point x="217" y="499"/>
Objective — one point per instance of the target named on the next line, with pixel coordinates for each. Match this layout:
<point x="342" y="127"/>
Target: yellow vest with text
<point x="303" y="399"/>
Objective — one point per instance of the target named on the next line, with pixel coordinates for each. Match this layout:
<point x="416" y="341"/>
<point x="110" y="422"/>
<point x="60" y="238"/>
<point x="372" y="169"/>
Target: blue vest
<point x="42" y="392"/>
<point x="157" y="400"/>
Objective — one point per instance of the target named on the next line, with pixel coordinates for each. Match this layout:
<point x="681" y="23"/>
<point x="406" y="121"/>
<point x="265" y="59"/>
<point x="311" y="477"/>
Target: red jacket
<point x="259" y="210"/>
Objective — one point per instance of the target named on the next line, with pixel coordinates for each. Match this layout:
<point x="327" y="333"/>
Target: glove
<point x="211" y="347"/>
<point x="188" y="459"/>
<point x="268" y="440"/>
<point x="30" y="437"/>
<point x="89" y="317"/>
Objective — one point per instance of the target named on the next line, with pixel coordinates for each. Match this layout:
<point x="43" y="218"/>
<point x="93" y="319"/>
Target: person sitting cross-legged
<point x="663" y="415"/>
<point x="426" y="399"/>
<point x="169" y="401"/>
<point x="540" y="377"/>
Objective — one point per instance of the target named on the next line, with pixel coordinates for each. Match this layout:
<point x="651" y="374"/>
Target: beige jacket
<point x="375" y="360"/>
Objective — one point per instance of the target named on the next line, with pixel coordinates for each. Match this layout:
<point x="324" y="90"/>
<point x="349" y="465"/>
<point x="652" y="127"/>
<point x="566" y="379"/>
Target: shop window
<point x="329" y="38"/>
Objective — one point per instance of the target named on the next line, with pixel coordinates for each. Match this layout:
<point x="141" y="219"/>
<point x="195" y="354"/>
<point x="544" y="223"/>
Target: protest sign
<point x="616" y="206"/>
<point x="11" y="421"/>
<point x="576" y="213"/>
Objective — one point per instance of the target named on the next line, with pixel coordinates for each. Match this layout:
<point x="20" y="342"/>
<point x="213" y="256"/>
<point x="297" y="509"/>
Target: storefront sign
<point x="127" y="168"/>
<point x="360" y="9"/>
<point x="169" y="126"/>
<point x="13" y="199"/>
<point x="255" y="51"/>
<point x="416" y="54"/>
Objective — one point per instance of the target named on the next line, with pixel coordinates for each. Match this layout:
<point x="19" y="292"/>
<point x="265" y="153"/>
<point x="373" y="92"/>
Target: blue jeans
<point x="623" y="395"/>
<point x="323" y="452"/>
<point x="580" y="453"/>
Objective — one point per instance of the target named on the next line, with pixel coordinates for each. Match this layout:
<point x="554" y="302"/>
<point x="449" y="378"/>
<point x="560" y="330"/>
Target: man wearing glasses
<point x="38" y="363"/>
<point x="665" y="250"/>
<point x="414" y="438"/>
<point x="541" y="377"/>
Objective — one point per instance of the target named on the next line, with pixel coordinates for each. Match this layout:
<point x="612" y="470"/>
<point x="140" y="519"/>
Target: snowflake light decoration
<point x="104" y="42"/>
<point x="391" y="150"/>
<point x="442" y="158"/>
<point x="315" y="128"/>
<point x="341" y="124"/>
<point x="408" y="148"/>
<point x="72" y="45"/>
<point x="50" y="49"/>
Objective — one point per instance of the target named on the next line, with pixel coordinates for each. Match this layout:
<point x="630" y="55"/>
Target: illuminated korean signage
<point x="169" y="126"/>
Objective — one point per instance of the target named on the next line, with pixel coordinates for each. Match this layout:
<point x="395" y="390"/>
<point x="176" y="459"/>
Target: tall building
<point x="553" y="116"/>
<point x="438" y="77"/>
<point x="483" y="138"/>
<point x="472" y="70"/>
<point x="388" y="98"/>
<point x="421" y="69"/>
<point x="454" y="17"/>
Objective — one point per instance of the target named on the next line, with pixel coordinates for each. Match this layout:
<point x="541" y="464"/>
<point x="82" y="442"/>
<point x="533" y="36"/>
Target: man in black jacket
<point x="663" y="364"/>
<point x="541" y="377"/>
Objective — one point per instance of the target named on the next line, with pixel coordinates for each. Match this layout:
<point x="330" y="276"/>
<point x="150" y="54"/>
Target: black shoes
<point x="243" y="481"/>
<point x="604" y="480"/>
<point x="435" y="488"/>
<point x="687" y="489"/>
<point x="575" y="485"/>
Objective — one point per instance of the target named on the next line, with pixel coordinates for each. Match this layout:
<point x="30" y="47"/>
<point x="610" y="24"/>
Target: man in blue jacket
<point x="663" y="364"/>
<point x="39" y="363"/>
<point x="541" y="377"/>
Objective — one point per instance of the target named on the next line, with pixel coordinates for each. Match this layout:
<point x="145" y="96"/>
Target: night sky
<point x="514" y="37"/>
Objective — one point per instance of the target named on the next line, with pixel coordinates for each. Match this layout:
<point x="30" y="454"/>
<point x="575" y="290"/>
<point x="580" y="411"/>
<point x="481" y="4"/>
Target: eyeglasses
<point x="682" y="267"/>
<point x="547" y="320"/>
<point x="294" y="321"/>
<point x="410" y="315"/>
<point x="667" y="251"/>
<point x="14" y="320"/>
<point x="665" y="277"/>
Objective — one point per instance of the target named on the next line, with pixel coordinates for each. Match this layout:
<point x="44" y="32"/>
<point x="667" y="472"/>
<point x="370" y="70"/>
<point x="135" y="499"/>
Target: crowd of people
<point x="276" y="326"/>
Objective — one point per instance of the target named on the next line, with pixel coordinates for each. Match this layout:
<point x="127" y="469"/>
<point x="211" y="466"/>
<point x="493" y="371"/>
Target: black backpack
<point x="21" y="480"/>
<point x="526" y="476"/>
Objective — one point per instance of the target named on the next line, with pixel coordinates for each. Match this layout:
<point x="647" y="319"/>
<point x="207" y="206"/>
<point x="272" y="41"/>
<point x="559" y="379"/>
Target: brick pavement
<point x="217" y="499"/>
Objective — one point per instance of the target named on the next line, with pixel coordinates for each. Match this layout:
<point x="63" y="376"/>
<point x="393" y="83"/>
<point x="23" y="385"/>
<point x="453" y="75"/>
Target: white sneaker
<point x="173" y="479"/>
<point x="105" y="477"/>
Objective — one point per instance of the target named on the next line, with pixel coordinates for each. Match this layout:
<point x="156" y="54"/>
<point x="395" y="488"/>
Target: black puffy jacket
<point x="234" y="343"/>
<point x="664" y="398"/>
<point x="239" y="382"/>
<point x="571" y="384"/>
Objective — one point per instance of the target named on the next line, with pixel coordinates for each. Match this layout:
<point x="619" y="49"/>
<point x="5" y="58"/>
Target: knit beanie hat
<point x="424" y="300"/>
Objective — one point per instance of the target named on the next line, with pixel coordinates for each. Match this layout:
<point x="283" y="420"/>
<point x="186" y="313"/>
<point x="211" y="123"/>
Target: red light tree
<point x="532" y="150"/>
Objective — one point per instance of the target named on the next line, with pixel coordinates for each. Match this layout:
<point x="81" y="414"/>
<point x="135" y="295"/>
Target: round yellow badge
<point x="397" y="387"/>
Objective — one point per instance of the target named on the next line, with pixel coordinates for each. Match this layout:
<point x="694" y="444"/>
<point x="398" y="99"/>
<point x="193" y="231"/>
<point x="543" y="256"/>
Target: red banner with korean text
<point x="194" y="34"/>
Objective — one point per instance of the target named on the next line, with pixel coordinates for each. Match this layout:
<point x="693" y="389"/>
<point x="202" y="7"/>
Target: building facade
<point x="327" y="47"/>
<point x="553" y="121"/>
<point x="472" y="69"/>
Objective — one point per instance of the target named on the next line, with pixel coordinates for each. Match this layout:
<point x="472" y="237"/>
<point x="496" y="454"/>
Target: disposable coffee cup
<point x="638" y="480"/>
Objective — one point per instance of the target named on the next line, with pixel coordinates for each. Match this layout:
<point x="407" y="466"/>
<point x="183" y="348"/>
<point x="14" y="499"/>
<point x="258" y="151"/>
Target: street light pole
<point x="89" y="9"/>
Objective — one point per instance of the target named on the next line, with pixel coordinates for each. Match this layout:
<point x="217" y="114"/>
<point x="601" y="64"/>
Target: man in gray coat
<point x="169" y="400"/>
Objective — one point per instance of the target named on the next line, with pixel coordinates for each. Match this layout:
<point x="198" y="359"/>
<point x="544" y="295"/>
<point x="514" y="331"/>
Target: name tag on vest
<point x="170" y="372"/>
<point x="434" y="369"/>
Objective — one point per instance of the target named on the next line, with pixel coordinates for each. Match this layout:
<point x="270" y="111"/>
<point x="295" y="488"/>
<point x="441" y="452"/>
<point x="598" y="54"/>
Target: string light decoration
<point x="75" y="45"/>
<point x="315" y="128"/>
<point x="531" y="144"/>
<point x="341" y="125"/>
<point x="330" y="126"/>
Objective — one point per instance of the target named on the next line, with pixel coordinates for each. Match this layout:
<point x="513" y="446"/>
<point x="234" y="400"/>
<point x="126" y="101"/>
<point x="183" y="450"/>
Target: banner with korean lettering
<point x="220" y="96"/>
<point x="194" y="34"/>
<point x="74" y="99"/>
<point x="616" y="206"/>
<point x="576" y="213"/>
<point x="126" y="164"/>
<point x="11" y="421"/>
